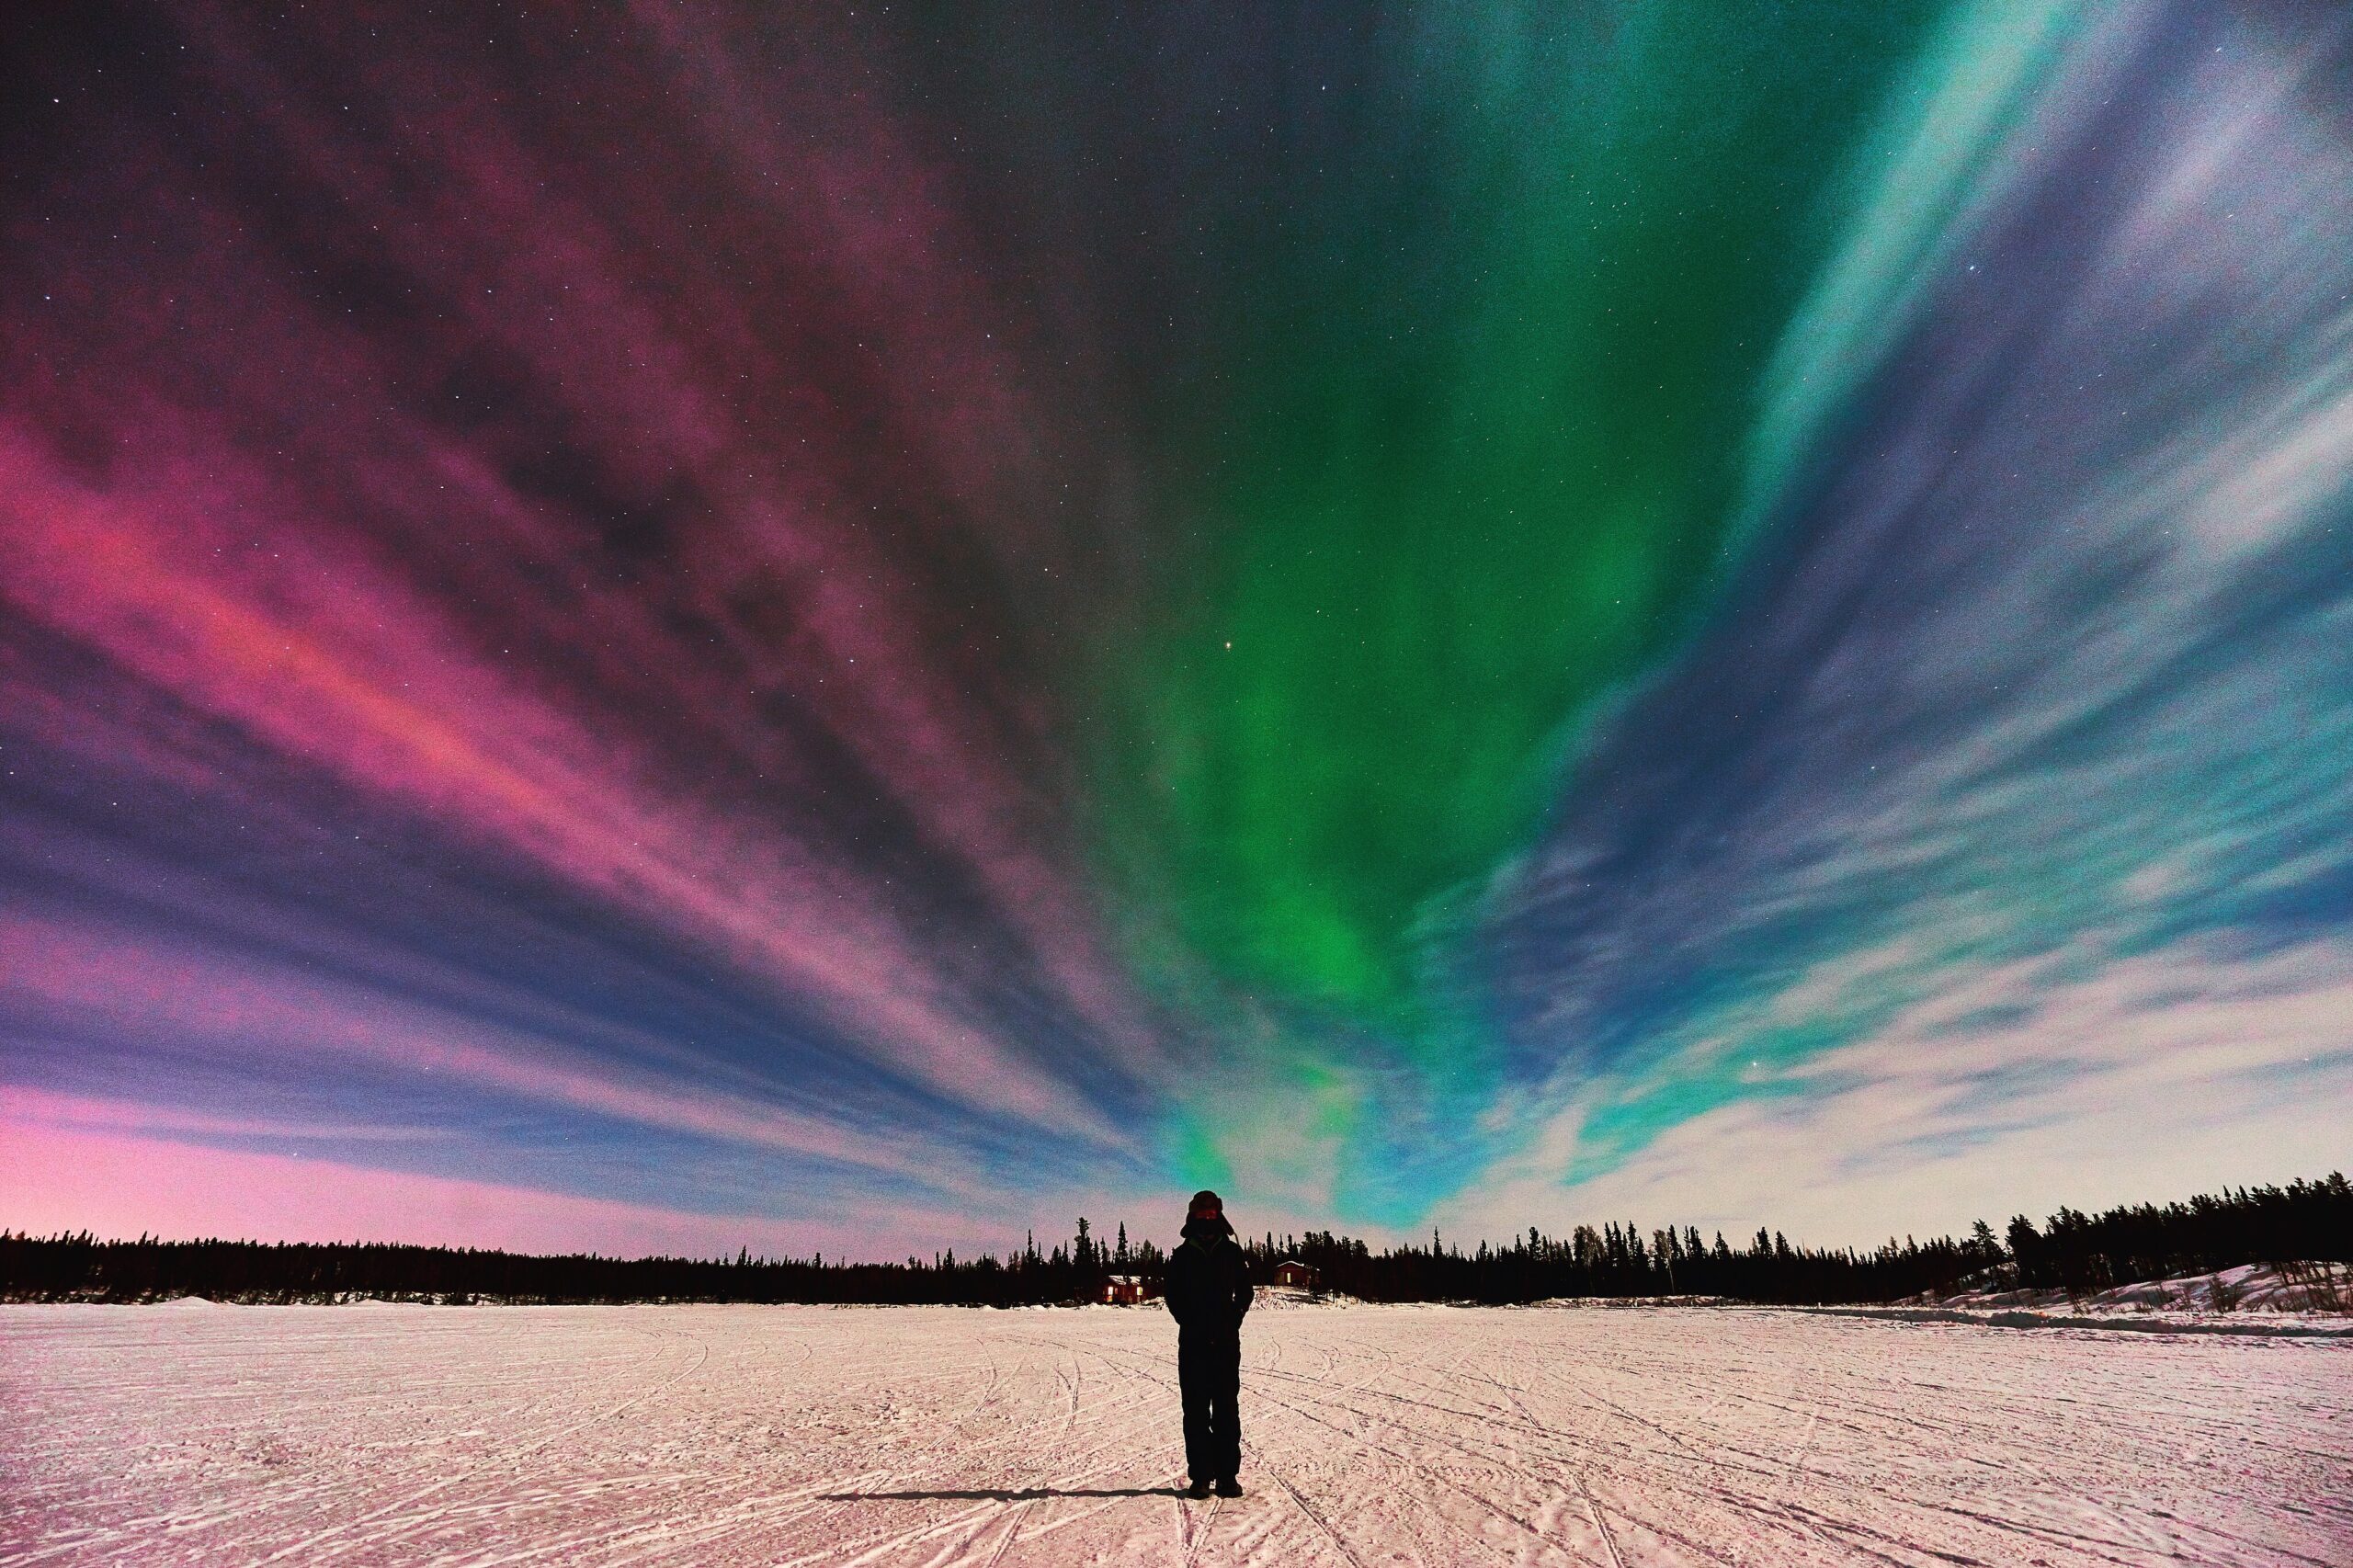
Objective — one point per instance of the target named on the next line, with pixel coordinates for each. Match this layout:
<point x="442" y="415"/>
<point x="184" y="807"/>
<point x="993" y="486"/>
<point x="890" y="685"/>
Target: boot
<point x="1199" y="1489"/>
<point x="1229" y="1487"/>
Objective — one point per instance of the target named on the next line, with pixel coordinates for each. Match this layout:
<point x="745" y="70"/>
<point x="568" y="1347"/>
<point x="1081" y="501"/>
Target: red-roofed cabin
<point x="1125" y="1291"/>
<point x="1293" y="1275"/>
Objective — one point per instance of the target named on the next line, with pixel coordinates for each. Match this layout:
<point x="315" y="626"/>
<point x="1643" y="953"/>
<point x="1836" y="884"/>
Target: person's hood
<point x="1207" y="1228"/>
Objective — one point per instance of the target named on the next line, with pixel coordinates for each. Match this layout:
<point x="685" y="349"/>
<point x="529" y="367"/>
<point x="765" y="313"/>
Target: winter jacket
<point x="1208" y="1283"/>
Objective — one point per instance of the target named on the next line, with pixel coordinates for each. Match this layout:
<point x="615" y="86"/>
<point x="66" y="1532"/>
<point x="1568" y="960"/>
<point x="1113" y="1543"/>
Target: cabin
<point x="1292" y="1275"/>
<point x="1125" y="1291"/>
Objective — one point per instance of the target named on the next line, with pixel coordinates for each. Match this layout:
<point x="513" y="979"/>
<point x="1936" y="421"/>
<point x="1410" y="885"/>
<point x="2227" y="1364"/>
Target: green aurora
<point x="1472" y="468"/>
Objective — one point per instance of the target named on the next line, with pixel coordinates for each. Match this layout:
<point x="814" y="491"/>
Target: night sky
<point x="659" y="627"/>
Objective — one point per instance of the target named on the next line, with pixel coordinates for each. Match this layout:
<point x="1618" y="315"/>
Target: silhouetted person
<point x="1208" y="1290"/>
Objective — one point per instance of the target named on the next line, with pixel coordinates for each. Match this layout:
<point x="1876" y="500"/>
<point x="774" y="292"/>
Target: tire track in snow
<point x="1425" y="1470"/>
<point x="1572" y="1467"/>
<point x="1585" y="1487"/>
<point x="308" y="1543"/>
<point x="1575" y="1469"/>
<point x="1330" y="1534"/>
<point x="1197" y="1539"/>
<point x="882" y="1543"/>
<point x="1601" y="1525"/>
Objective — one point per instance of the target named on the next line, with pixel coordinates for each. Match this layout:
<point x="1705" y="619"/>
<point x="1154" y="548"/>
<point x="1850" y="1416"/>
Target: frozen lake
<point x="1373" y="1436"/>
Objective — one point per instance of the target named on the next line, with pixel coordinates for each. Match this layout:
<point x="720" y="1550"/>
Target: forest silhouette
<point x="2304" y="1221"/>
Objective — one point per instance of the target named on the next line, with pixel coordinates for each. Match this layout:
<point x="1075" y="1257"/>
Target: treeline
<point x="79" y="1268"/>
<point x="2303" y="1222"/>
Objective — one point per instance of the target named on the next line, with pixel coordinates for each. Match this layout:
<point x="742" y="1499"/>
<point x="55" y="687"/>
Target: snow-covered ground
<point x="1375" y="1436"/>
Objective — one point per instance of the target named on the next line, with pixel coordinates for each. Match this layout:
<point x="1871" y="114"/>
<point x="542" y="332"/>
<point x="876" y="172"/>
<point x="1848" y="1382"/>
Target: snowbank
<point x="2314" y="1296"/>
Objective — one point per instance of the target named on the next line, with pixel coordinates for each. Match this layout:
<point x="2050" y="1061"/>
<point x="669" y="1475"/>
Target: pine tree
<point x="2026" y="1248"/>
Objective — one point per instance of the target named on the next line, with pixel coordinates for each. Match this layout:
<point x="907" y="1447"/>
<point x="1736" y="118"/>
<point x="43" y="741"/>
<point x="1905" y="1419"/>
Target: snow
<point x="2315" y="1294"/>
<point x="1608" y="1436"/>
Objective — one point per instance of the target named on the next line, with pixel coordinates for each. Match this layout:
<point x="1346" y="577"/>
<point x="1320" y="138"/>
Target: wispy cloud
<point x="2012" y="1087"/>
<point x="2043" y="678"/>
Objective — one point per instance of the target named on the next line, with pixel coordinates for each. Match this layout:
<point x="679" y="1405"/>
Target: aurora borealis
<point x="859" y="628"/>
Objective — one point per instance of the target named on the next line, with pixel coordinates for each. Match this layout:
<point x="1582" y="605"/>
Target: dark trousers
<point x="1208" y="1374"/>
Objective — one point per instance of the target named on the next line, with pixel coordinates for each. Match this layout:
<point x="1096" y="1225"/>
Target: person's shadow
<point x="1002" y="1494"/>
